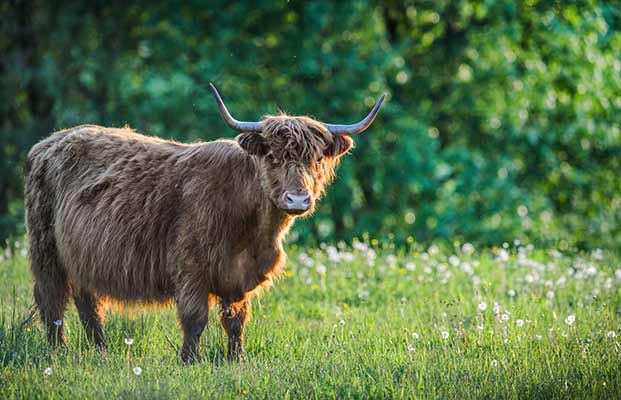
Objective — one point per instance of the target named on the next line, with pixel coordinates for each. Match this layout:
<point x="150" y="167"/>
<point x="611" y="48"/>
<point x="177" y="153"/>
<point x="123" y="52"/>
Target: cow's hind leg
<point x="91" y="312"/>
<point x="234" y="317"/>
<point x="51" y="290"/>
<point x="51" y="298"/>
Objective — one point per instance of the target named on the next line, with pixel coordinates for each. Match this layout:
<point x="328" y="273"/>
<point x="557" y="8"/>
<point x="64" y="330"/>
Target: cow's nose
<point x="297" y="201"/>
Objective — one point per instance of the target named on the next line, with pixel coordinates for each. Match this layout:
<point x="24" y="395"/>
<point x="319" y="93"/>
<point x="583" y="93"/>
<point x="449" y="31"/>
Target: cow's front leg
<point x="234" y="317"/>
<point x="193" y="311"/>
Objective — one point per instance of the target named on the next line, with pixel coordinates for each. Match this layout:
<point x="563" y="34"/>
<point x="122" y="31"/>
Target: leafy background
<point x="502" y="122"/>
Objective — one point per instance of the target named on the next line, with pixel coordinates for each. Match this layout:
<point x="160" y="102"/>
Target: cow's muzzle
<point x="296" y="202"/>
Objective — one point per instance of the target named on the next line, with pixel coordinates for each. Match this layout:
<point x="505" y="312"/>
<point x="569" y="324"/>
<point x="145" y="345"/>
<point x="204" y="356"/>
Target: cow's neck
<point x="273" y="224"/>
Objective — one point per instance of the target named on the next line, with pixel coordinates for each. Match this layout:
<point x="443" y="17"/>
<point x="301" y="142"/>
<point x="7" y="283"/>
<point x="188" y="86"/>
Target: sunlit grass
<point x="355" y="321"/>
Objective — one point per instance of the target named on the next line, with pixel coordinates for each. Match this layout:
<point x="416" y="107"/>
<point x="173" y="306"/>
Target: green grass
<point x="348" y="332"/>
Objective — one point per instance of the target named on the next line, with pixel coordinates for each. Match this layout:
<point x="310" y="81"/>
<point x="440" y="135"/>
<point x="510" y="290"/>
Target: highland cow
<point x="115" y="215"/>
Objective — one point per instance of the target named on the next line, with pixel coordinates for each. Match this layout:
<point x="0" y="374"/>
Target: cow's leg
<point x="193" y="312"/>
<point x="51" y="290"/>
<point x="91" y="312"/>
<point x="234" y="317"/>
<point x="51" y="298"/>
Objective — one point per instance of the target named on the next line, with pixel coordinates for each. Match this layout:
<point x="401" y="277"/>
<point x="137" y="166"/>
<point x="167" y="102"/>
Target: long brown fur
<point x="113" y="214"/>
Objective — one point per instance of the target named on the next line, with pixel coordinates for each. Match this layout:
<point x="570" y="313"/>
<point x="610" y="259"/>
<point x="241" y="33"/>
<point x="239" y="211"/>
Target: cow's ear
<point x="340" y="145"/>
<point x="253" y="143"/>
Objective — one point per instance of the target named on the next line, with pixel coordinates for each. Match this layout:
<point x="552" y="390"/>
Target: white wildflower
<point x="58" y="322"/>
<point x="467" y="248"/>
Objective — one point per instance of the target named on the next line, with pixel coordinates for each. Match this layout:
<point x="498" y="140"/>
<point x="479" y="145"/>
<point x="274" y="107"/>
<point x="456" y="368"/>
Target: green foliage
<point x="394" y="307"/>
<point x="503" y="119"/>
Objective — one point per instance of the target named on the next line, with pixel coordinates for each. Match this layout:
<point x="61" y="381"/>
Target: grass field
<point x="361" y="322"/>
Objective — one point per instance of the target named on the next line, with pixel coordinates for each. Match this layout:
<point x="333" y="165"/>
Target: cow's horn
<point x="359" y="127"/>
<point x="240" y="126"/>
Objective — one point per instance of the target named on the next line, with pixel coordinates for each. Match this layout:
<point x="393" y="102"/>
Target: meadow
<point x="365" y="320"/>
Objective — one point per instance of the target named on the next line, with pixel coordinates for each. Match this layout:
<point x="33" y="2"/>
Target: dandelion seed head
<point x="570" y="320"/>
<point x="482" y="306"/>
<point x="410" y="348"/>
<point x="47" y="371"/>
<point x="342" y="322"/>
<point x="129" y="341"/>
<point x="445" y="335"/>
<point x="454" y="260"/>
<point x="611" y="334"/>
<point x="519" y="323"/>
<point x="494" y="363"/>
<point x="137" y="370"/>
<point x="467" y="248"/>
<point x="415" y="336"/>
<point x="58" y="322"/>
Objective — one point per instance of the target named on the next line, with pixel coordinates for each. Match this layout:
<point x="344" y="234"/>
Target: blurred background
<point x="502" y="122"/>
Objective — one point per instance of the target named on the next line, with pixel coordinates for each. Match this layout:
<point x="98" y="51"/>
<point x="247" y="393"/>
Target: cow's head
<point x="298" y="155"/>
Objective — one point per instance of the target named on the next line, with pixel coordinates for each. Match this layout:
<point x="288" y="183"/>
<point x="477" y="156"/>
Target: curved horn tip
<point x="359" y="127"/>
<point x="240" y="126"/>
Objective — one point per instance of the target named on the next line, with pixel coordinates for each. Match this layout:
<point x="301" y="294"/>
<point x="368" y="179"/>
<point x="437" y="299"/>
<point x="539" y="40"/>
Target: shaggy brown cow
<point x="112" y="214"/>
